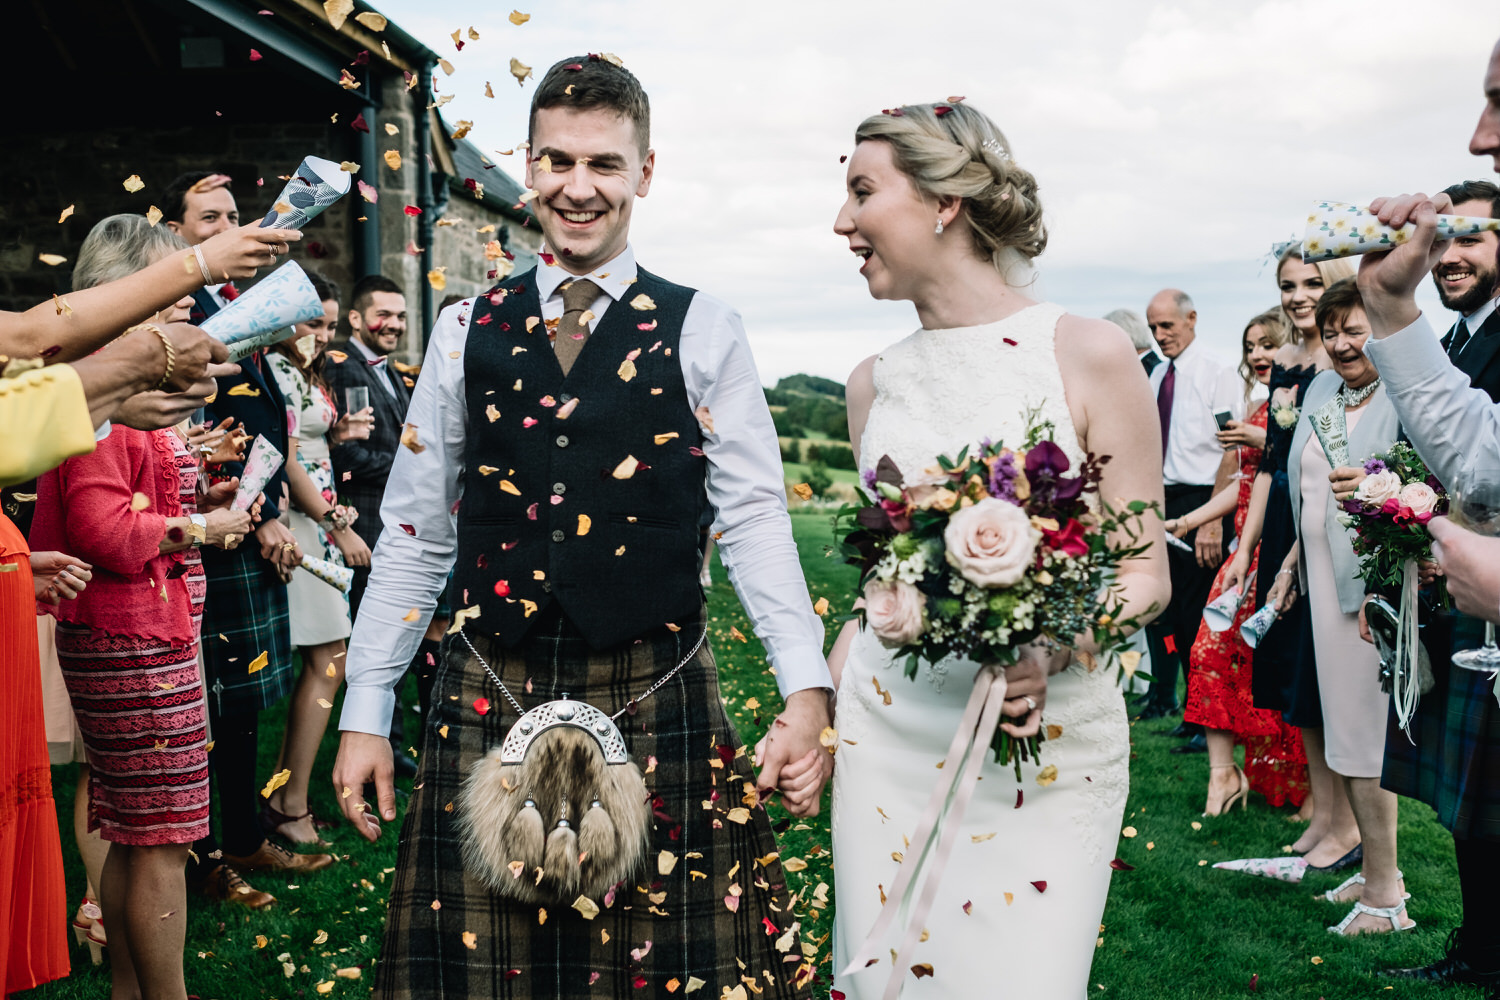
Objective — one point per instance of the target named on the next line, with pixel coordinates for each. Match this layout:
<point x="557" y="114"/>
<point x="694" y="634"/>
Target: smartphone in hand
<point x="1222" y="418"/>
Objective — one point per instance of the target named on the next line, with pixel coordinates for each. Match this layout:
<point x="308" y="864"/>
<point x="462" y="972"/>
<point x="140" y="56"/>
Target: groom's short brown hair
<point x="594" y="81"/>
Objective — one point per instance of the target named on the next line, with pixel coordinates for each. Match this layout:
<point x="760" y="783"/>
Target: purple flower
<point x="1374" y="466"/>
<point x="1046" y="459"/>
<point x="1003" y="477"/>
<point x="868" y="478"/>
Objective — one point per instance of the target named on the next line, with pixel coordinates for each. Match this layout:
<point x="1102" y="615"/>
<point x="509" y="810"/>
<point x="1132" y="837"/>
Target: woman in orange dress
<point x="1219" y="671"/>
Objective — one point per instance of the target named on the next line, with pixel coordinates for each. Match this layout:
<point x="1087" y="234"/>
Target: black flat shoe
<point x="1452" y="968"/>
<point x="1155" y="712"/>
<point x="1354" y="857"/>
<point x="1185" y="729"/>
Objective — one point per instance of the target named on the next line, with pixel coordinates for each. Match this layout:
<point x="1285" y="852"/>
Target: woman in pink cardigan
<point x="128" y="647"/>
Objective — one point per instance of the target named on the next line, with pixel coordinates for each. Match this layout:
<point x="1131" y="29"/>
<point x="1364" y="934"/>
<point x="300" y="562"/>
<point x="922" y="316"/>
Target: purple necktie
<point x="1164" y="405"/>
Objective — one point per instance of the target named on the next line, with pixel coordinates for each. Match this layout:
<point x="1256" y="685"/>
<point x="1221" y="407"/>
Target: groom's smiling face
<point x="588" y="168"/>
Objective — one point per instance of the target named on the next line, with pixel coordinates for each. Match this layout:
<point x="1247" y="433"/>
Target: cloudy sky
<point x="1174" y="142"/>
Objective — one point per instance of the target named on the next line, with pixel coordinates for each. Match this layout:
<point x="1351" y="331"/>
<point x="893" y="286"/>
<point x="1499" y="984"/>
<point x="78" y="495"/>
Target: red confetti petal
<point x="593" y="978"/>
<point x="969" y="906"/>
<point x="409" y="530"/>
<point x="359" y="124"/>
<point x="836" y="995"/>
<point x="1254" y="982"/>
<point x="482" y="706"/>
<point x="639" y="981"/>
<point x="1170" y="643"/>
<point x="484" y="320"/>
<point x="843" y="159"/>
<point x="502" y="588"/>
<point x="512" y="973"/>
<point x="575" y="67"/>
<point x="412" y="210"/>
<point x="363" y="59"/>
<point x="1012" y="343"/>
<point x="1121" y="866"/>
<point x="531" y="512"/>
<point x="1039" y="886"/>
<point x="255" y="56"/>
<point x="1018" y="798"/>
<point x="507" y="546"/>
<point x="529" y="422"/>
<point x="368" y="192"/>
<point x="547" y="258"/>
<point x="646" y="326"/>
<point x="771" y="930"/>
<point x="941" y="110"/>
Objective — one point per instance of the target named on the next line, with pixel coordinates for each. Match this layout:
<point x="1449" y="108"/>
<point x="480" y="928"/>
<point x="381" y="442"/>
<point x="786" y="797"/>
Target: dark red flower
<point x="1069" y="539"/>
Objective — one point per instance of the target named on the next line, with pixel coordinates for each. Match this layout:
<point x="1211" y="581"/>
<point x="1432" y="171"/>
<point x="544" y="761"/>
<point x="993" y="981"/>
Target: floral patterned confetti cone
<point x="317" y="184"/>
<point x="266" y="312"/>
<point x="339" y="577"/>
<point x="260" y="465"/>
<point x="1339" y="229"/>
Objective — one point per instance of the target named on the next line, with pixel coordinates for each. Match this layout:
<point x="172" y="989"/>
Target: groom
<point x="571" y="417"/>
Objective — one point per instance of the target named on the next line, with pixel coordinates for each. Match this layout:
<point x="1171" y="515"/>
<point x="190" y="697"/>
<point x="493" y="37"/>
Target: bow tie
<point x="228" y="292"/>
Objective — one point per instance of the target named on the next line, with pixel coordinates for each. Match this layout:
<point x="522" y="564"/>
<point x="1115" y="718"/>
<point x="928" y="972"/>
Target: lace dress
<point x="1218" y="694"/>
<point x="1025" y="888"/>
<point x="320" y="613"/>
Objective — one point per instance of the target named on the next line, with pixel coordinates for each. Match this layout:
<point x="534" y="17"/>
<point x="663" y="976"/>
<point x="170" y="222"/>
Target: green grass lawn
<point x="797" y="472"/>
<point x="1175" y="927"/>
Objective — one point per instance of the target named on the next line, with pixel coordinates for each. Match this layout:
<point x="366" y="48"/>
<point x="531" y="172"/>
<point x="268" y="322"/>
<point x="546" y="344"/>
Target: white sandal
<point x="1391" y="913"/>
<point x="1332" y="895"/>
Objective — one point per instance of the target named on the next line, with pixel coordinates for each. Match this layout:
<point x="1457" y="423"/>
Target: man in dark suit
<point x="377" y="320"/>
<point x="195" y="206"/>
<point x="1452" y="759"/>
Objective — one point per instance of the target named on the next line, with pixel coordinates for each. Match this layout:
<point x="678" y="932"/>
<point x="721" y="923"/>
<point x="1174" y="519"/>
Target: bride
<point x="942" y="216"/>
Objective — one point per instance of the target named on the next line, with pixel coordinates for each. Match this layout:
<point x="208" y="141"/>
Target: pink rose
<point x="1376" y="489"/>
<point x="1420" y="497"/>
<point x="991" y="543"/>
<point x="894" y="611"/>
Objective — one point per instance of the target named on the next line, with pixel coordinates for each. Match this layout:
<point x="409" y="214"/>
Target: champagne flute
<point x="1476" y="505"/>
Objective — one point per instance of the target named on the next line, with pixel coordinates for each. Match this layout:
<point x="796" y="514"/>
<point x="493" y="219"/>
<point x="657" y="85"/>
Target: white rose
<point x="1378" y="488"/>
<point x="1420" y="497"/>
<point x="894" y="611"/>
<point x="991" y="543"/>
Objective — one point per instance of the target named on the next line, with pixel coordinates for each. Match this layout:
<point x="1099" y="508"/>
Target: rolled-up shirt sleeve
<point x="415" y="553"/>
<point x="747" y="490"/>
<point x="1451" y="423"/>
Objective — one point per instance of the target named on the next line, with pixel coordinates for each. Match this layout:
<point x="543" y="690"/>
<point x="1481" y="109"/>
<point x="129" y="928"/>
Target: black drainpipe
<point x="368" y="244"/>
<point x="425" y="221"/>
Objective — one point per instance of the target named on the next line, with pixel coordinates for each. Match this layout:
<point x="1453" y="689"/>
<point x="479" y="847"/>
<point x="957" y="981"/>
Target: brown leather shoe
<point x="275" y="858"/>
<point x="224" y="884"/>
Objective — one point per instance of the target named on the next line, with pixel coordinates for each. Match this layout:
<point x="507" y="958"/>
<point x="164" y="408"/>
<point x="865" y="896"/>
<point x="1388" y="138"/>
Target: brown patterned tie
<point x="573" y="329"/>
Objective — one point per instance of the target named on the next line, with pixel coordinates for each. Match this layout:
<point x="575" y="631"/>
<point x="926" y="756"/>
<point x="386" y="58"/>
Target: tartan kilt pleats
<point x="245" y="613"/>
<point x="447" y="936"/>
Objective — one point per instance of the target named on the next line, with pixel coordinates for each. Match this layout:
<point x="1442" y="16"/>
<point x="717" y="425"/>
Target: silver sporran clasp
<point x="564" y="712"/>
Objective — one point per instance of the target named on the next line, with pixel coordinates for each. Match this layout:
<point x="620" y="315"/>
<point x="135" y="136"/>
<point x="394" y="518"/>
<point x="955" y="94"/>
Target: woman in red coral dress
<point x="1220" y="663"/>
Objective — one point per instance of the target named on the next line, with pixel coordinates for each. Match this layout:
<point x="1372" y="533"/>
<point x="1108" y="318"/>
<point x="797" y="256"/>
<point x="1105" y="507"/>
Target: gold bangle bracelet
<point x="166" y="345"/>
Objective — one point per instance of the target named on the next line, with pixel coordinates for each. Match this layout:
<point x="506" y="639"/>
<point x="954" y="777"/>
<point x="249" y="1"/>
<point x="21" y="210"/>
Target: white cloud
<point x="1174" y="142"/>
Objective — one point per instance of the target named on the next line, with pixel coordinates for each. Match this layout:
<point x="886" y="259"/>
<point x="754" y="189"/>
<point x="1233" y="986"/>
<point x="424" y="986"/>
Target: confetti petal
<point x="587" y="907"/>
<point x="519" y="70"/>
<point x="277" y="780"/>
<point x="259" y="663"/>
<point x="133" y="183"/>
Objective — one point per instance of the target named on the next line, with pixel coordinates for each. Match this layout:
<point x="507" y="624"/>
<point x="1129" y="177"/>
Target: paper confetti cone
<point x="331" y="573"/>
<point x="1219" y="614"/>
<point x="1339" y="229"/>
<point x="265" y="314"/>
<point x="317" y="184"/>
<point x="1256" y="626"/>
<point x="260" y="465"/>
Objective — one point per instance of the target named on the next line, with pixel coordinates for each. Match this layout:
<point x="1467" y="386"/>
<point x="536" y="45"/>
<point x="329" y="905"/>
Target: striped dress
<point x="139" y="703"/>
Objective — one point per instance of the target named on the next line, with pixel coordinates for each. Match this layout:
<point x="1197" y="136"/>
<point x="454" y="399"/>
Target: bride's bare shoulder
<point x="1094" y="343"/>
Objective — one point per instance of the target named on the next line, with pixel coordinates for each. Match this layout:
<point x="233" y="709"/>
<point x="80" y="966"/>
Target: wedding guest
<point x="1323" y="568"/>
<point x="198" y="206"/>
<point x="324" y="529"/>
<point x="1140" y="336"/>
<point x="1453" y="759"/>
<point x="1285" y="676"/>
<point x="377" y="321"/>
<point x="587" y="625"/>
<point x="1189" y="389"/>
<point x="1220" y="663"/>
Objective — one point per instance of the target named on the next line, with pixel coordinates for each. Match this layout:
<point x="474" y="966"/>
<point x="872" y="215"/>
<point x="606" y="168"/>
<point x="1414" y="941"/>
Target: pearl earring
<point x="939" y="229"/>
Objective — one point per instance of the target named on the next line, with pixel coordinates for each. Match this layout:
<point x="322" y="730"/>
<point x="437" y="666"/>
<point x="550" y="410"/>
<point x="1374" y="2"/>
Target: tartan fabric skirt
<point x="447" y="936"/>
<point x="245" y="614"/>
<point x="1452" y="761"/>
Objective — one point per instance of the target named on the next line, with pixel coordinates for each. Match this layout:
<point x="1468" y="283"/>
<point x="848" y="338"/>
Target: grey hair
<point x="1184" y="303"/>
<point x="1131" y="323"/>
<point x="119" y="246"/>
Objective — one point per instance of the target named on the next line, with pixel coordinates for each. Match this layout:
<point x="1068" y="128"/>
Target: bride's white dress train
<point x="1018" y="911"/>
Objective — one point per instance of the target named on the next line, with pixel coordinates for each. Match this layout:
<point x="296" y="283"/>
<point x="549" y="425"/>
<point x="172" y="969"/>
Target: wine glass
<point x="1475" y="504"/>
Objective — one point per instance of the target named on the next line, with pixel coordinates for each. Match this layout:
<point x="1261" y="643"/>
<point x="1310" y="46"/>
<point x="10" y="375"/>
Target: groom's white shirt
<point x="745" y="486"/>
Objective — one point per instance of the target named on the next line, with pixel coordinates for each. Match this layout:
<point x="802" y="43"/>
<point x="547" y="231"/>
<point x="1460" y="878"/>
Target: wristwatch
<point x="197" y="529"/>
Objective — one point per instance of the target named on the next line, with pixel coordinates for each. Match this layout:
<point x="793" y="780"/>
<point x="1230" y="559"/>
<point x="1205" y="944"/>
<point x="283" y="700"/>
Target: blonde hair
<point x="1331" y="271"/>
<point x="119" y="246"/>
<point x="954" y="150"/>
<point x="1278" y="327"/>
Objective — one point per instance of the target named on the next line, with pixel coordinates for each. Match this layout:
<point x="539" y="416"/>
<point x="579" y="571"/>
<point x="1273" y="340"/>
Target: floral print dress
<point x="320" y="613"/>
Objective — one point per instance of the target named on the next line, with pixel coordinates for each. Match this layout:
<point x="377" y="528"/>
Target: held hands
<point x="1472" y="565"/>
<point x="56" y="576"/>
<point x="353" y="426"/>
<point x="791" y="756"/>
<point x="1241" y="433"/>
<point x="239" y="253"/>
<point x="1345" y="481"/>
<point x="364" y="757"/>
<point x="1388" y="281"/>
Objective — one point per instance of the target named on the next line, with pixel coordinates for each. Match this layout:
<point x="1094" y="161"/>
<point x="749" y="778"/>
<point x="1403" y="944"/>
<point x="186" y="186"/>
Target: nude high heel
<point x="1242" y="796"/>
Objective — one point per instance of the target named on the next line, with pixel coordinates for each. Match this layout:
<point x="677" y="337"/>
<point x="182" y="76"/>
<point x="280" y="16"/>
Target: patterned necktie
<point x="1164" y="405"/>
<point x="1460" y="338"/>
<point x="573" y="329"/>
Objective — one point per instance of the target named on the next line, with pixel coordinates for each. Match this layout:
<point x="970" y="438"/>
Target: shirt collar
<point x="1186" y="354"/>
<point x="371" y="358"/>
<point x="1477" y="318"/>
<point x="612" y="278"/>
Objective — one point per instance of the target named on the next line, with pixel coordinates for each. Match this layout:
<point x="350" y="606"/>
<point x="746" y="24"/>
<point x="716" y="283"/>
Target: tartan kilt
<point x="245" y="614"/>
<point x="1454" y="765"/>
<point x="680" y="917"/>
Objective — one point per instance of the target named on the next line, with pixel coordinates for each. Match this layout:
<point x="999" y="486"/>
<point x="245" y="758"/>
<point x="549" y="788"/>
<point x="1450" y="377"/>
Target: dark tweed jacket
<point x="361" y="467"/>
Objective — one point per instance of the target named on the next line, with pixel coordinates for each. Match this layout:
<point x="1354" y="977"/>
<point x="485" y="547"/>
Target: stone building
<point x="151" y="88"/>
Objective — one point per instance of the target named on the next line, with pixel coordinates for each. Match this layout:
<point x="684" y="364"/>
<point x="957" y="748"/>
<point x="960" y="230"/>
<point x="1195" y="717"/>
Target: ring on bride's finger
<point x="1030" y="702"/>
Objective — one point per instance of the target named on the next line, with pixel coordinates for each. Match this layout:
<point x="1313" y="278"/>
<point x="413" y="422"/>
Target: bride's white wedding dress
<point x="1018" y="910"/>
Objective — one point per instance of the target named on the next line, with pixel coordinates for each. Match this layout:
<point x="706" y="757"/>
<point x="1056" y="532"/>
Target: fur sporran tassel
<point x="504" y="810"/>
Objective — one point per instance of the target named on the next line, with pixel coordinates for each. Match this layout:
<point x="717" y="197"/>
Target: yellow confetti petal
<point x="664" y="438"/>
<point x="51" y="259"/>
<point x="627" y="370"/>
<point x="584" y="524"/>
<point x="409" y="439"/>
<point x="587" y="907"/>
<point x="740" y="815"/>
<point x="517" y="18"/>
<point x="627" y="468"/>
<point x="735" y="633"/>
<point x="392" y="159"/>
<point x="820" y="606"/>
<point x="803" y="491"/>
<point x="153" y="215"/>
<point x="259" y="663"/>
<point x="665" y="862"/>
<point x="1128" y="832"/>
<point x="437" y="279"/>
<point x="261" y="941"/>
<point x="642" y="302"/>
<point x="371" y="20"/>
<point x="980" y="838"/>
<point x="321" y="937"/>
<point x="1316" y="960"/>
<point x="338" y="11"/>
<point x="794" y="865"/>
<point x="133" y="183"/>
<point x="277" y="780"/>
<point x="519" y="70"/>
<point x="330" y="671"/>
<point x="491" y="413"/>
<point x="471" y="940"/>
<point x="1047" y="775"/>
<point x="391" y="129"/>
<point x="1010" y="897"/>
<point x="506" y="486"/>
<point x="1130" y="660"/>
<point x="65" y="213"/>
<point x="139" y="501"/>
<point x="411" y="615"/>
<point x="352" y="972"/>
<point x="829" y="738"/>
<point x="326" y="986"/>
<point x="694" y="984"/>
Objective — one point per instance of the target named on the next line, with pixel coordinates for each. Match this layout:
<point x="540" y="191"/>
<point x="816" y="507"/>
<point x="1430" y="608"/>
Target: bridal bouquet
<point x="990" y="551"/>
<point x="1389" y="514"/>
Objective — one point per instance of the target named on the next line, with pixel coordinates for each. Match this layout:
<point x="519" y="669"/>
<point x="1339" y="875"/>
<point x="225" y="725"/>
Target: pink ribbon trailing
<point x="946" y="805"/>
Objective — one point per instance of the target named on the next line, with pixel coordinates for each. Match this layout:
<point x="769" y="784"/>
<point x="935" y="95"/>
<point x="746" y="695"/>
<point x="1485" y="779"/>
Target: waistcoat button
<point x="558" y="536"/>
<point x="559" y="488"/>
<point x="562" y="440"/>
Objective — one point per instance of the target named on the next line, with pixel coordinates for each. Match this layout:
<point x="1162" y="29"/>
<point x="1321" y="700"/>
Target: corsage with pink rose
<point x="993" y="550"/>
<point x="1388" y="514"/>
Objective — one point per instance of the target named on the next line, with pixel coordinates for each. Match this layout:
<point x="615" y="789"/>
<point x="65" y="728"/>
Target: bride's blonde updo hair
<point x="955" y="150"/>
